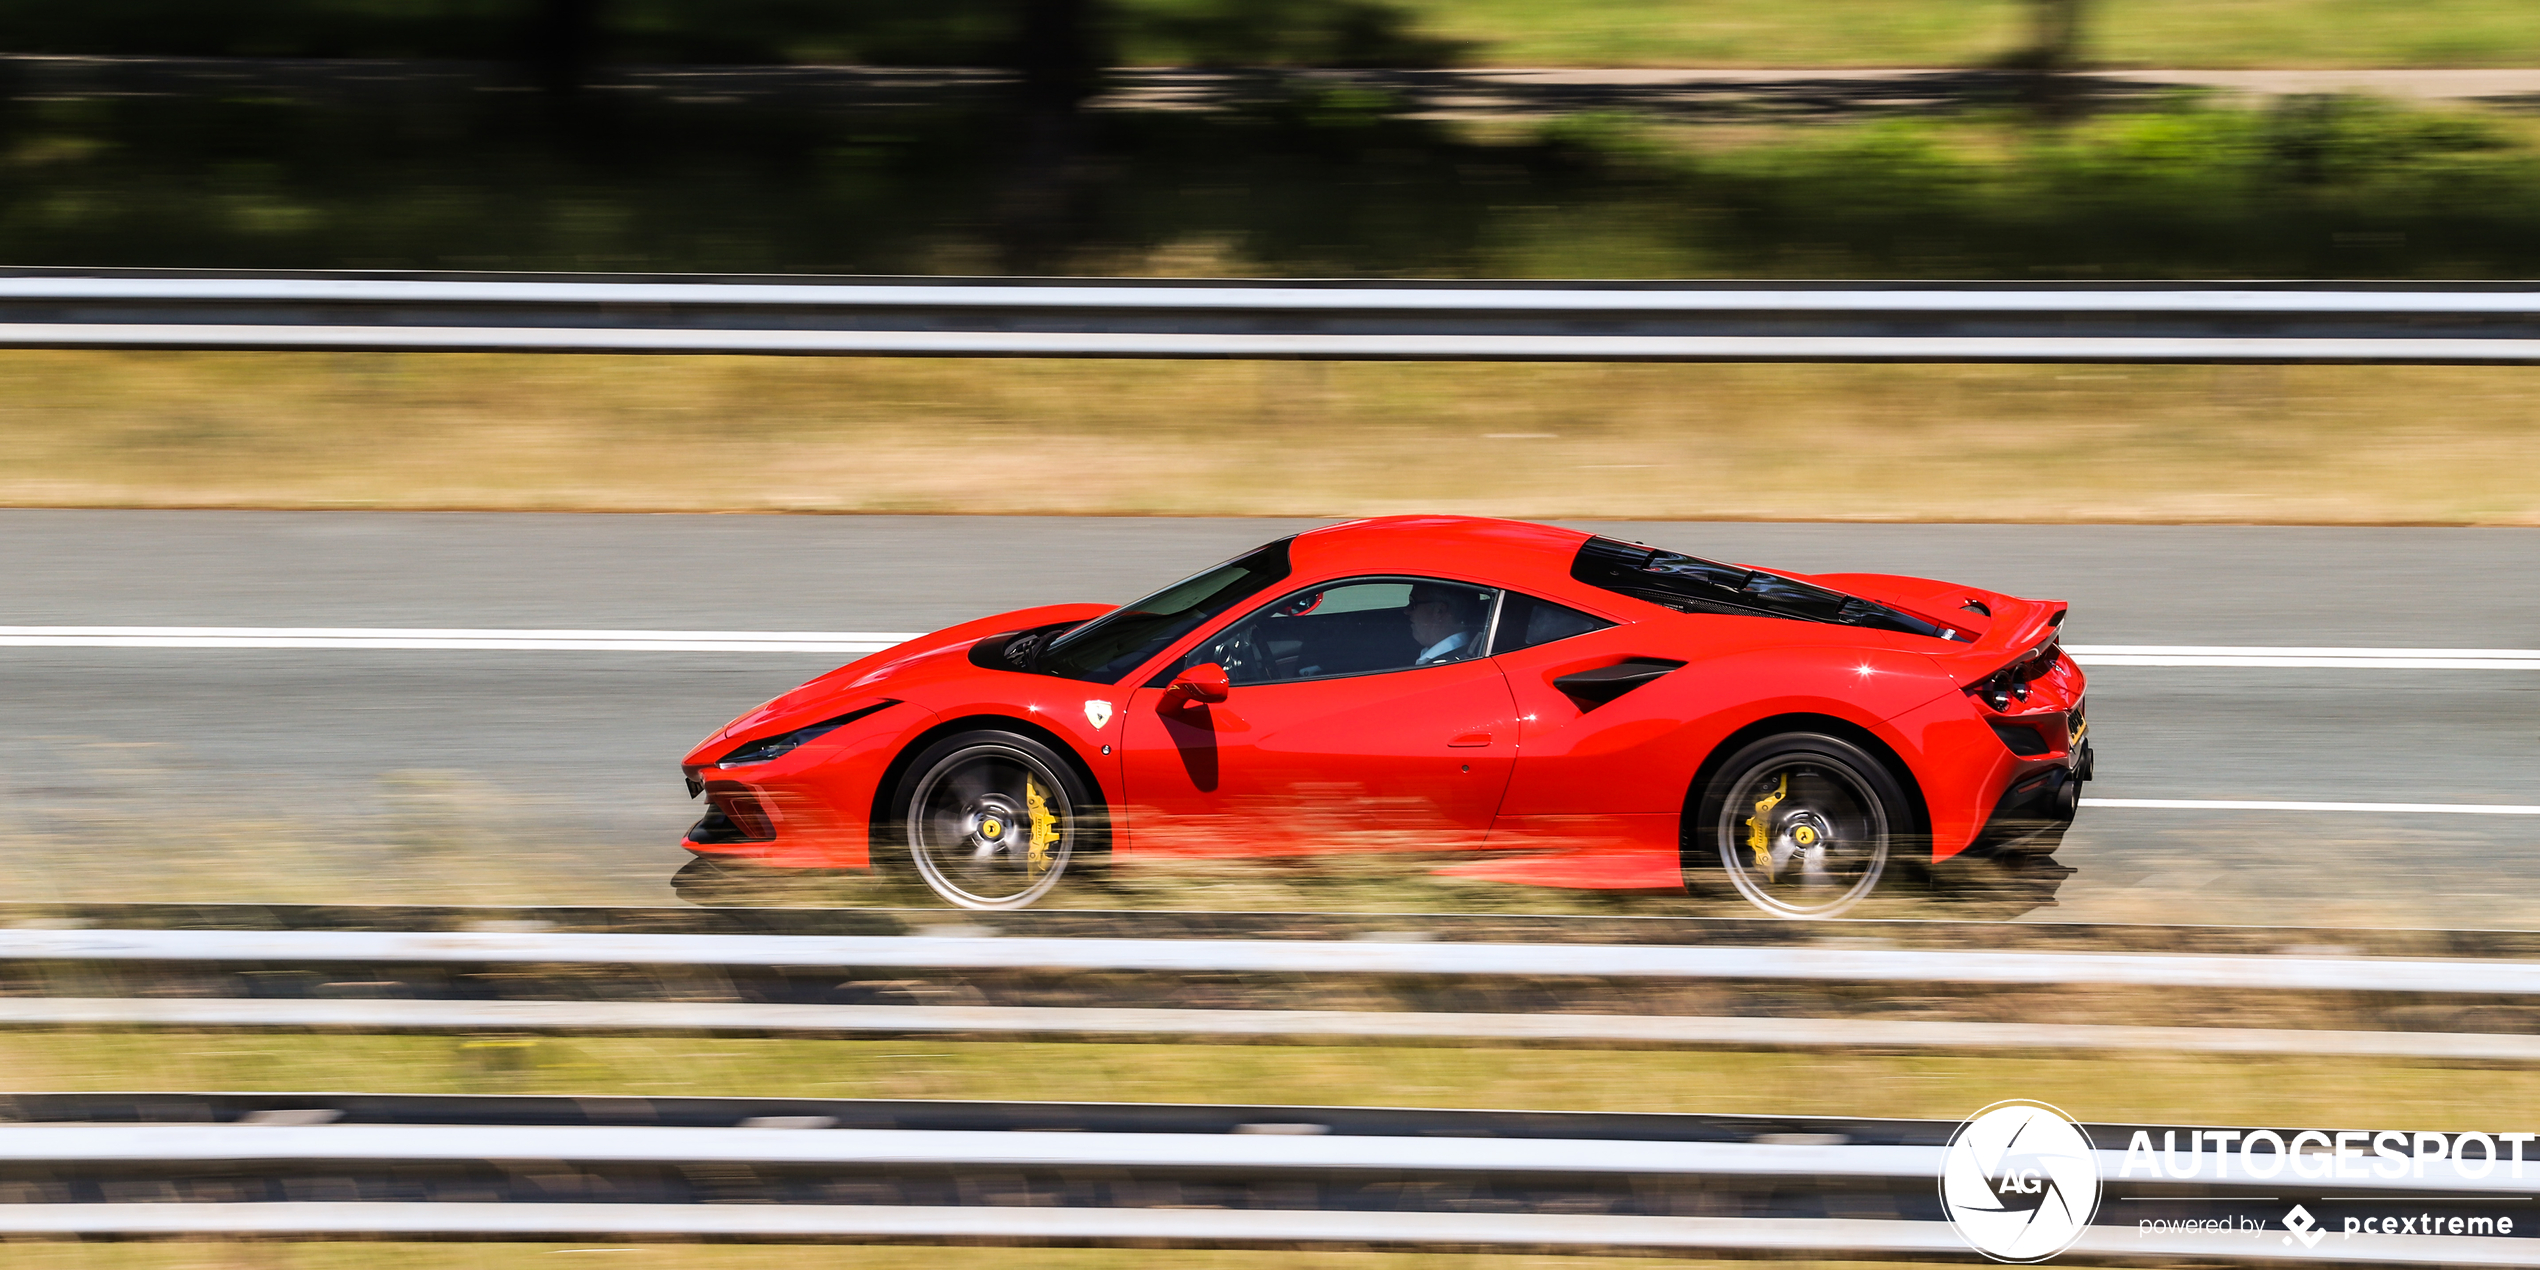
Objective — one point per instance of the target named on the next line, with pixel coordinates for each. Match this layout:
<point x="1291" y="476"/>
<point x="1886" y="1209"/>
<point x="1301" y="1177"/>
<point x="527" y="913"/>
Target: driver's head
<point x="1439" y="611"/>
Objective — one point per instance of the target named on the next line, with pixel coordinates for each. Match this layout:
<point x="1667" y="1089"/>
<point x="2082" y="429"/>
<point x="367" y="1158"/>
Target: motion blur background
<point x="2029" y="140"/>
<point x="2006" y="139"/>
<point x="1505" y="138"/>
<point x="2032" y="140"/>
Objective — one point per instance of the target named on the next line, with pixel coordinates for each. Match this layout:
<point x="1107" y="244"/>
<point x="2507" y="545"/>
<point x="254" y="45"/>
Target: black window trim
<point x="1283" y="546"/>
<point x="1497" y="609"/>
<point x="1733" y="601"/>
<point x="1173" y="662"/>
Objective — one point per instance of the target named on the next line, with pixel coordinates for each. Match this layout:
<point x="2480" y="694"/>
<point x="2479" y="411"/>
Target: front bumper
<point x="810" y="809"/>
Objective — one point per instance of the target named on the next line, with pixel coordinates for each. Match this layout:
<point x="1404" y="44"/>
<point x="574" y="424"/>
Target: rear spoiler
<point x="2021" y="630"/>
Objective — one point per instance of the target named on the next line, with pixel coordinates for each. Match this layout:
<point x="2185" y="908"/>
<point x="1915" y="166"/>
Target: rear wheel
<point x="1802" y="825"/>
<point x="991" y="819"/>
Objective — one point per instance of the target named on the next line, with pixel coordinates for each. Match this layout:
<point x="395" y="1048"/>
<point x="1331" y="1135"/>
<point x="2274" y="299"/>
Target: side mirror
<point x="1199" y="683"/>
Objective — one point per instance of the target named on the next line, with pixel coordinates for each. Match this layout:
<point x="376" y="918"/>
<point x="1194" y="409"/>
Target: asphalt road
<point x="189" y="773"/>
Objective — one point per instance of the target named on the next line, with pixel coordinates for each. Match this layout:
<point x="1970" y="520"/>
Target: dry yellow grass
<point x="2356" y="444"/>
<point x="2131" y="1088"/>
<point x="2143" y="1089"/>
<point x="2153" y="1089"/>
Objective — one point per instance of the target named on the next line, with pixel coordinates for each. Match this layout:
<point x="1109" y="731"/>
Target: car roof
<point x="1514" y="552"/>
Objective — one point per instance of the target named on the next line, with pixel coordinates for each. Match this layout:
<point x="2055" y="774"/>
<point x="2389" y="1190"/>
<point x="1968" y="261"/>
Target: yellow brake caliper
<point x="1044" y="825"/>
<point x="1758" y="838"/>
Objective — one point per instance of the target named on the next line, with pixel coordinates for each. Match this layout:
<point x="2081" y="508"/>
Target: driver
<point x="1444" y="622"/>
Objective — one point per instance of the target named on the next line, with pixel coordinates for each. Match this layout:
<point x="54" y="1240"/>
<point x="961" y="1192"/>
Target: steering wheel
<point x="1249" y="662"/>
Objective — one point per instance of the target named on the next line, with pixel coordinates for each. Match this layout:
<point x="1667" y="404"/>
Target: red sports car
<point x="1564" y="709"/>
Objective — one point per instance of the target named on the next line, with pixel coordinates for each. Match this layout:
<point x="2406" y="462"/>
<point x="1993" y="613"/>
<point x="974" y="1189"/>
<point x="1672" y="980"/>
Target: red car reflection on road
<point x="1561" y="709"/>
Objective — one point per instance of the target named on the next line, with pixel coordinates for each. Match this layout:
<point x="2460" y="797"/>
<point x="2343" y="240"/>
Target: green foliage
<point x="1282" y="33"/>
<point x="884" y="32"/>
<point x="2308" y="187"/>
<point x="1295" y="178"/>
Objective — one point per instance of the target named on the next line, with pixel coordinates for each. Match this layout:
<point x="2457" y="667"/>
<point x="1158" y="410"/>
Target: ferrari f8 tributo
<point x="1562" y="709"/>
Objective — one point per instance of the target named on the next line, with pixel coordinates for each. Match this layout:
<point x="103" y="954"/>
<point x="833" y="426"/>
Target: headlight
<point x="782" y="744"/>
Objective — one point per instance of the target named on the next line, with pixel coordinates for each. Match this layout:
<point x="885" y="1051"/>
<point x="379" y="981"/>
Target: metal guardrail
<point x="207" y="959"/>
<point x="1121" y="1173"/>
<point x="1603" y="321"/>
<point x="1362" y="1027"/>
<point x="1274" y="957"/>
<point x="2005" y="939"/>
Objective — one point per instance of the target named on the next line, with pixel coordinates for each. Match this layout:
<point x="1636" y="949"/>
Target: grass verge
<point x="2163" y="33"/>
<point x="2327" y="444"/>
<point x="2139" y="1089"/>
<point x="2130" y="1088"/>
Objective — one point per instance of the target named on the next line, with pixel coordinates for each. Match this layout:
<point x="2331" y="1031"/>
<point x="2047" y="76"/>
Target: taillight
<point x="2011" y="682"/>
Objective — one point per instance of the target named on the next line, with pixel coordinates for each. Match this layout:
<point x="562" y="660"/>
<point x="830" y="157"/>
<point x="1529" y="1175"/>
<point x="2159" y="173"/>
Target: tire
<point x="1800" y="825"/>
<point x="966" y="815"/>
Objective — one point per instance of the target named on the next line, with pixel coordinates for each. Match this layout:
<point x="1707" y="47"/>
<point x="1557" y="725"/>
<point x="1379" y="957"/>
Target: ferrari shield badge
<point x="1098" y="713"/>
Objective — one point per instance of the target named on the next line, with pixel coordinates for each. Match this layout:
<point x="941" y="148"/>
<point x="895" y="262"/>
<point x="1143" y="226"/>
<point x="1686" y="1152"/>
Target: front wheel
<point x="991" y="819"/>
<point x="1803" y="825"/>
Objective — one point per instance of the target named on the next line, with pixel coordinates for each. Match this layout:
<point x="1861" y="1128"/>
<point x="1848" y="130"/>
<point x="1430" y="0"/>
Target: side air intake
<point x="1593" y="688"/>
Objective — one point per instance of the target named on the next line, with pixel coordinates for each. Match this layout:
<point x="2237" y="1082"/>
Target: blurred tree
<point x="1060" y="50"/>
<point x="1377" y="33"/>
<point x="563" y="39"/>
<point x="2055" y="34"/>
<point x="2052" y="55"/>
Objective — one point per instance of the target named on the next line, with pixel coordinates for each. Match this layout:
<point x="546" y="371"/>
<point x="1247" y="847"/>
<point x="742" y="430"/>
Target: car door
<point x="1594" y="799"/>
<point x="1348" y="725"/>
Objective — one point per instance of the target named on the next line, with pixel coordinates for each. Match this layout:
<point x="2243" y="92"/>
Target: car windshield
<point x="1689" y="584"/>
<point x="1102" y="650"/>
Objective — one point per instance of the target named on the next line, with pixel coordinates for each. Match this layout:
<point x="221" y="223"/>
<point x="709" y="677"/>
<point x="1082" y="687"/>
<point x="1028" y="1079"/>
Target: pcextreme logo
<point x="2303" y="1227"/>
<point x="2020" y="1181"/>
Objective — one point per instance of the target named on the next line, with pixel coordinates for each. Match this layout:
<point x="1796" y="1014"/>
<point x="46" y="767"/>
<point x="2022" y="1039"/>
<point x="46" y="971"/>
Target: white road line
<point x="2255" y="804"/>
<point x="629" y="641"/>
<point x="432" y="638"/>
<point x="2305" y="658"/>
<point x="861" y="642"/>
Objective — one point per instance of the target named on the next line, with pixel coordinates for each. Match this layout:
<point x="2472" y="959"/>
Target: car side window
<point x="1364" y="626"/>
<point x="1525" y="621"/>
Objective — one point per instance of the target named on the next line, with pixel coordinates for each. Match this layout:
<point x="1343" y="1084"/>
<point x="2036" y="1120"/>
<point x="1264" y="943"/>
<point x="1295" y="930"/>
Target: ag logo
<point x="2020" y="1181"/>
<point x="1097" y="713"/>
